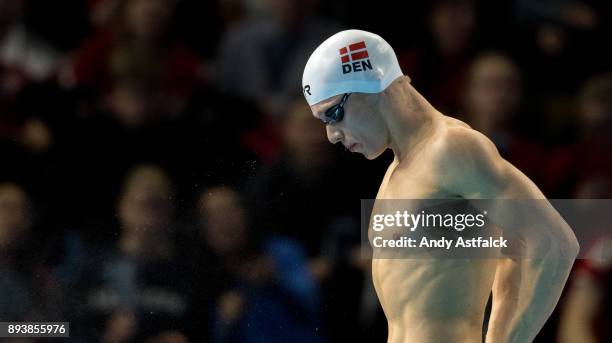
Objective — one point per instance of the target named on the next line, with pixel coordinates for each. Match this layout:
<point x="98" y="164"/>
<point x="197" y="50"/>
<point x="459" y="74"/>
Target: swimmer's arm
<point x="526" y="290"/>
<point x="506" y="289"/>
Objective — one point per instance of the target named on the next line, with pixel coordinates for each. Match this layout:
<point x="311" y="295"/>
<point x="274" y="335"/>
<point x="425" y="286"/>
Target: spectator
<point x="134" y="60"/>
<point x="29" y="291"/>
<point x="493" y="97"/>
<point x="137" y="288"/>
<point x="556" y="34"/>
<point x="262" y="57"/>
<point x="24" y="60"/>
<point x="595" y="105"/>
<point x="493" y="104"/>
<point x="290" y="197"/>
<point x="437" y="65"/>
<point x="285" y="191"/>
<point x="23" y="57"/>
<point x="254" y="276"/>
<point x="588" y="157"/>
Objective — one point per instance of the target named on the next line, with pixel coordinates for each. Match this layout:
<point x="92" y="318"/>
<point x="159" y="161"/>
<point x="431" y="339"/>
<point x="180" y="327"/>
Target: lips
<point x="352" y="147"/>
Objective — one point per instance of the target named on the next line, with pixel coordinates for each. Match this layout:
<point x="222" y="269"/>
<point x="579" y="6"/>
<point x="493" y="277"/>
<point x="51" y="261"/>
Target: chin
<point x="369" y="156"/>
<point x="372" y="155"/>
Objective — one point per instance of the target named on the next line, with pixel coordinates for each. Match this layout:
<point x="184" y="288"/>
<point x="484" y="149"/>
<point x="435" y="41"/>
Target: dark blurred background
<point x="162" y="179"/>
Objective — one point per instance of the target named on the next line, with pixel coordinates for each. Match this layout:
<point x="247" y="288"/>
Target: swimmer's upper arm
<point x="471" y="167"/>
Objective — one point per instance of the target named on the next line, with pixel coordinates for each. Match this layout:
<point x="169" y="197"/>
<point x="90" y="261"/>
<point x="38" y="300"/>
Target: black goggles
<point x="335" y="113"/>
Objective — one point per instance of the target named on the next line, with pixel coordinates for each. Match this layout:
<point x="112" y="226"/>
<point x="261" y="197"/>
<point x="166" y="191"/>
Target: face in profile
<point x="361" y="129"/>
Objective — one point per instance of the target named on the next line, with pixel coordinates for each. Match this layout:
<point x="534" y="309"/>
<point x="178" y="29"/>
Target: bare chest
<point x="417" y="180"/>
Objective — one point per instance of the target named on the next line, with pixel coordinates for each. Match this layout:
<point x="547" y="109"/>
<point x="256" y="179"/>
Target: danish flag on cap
<point x="358" y="52"/>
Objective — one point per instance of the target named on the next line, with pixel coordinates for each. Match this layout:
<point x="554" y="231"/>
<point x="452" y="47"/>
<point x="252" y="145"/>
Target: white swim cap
<point x="349" y="61"/>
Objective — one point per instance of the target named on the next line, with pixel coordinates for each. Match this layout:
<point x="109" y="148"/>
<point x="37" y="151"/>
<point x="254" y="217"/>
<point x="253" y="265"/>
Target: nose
<point x="333" y="134"/>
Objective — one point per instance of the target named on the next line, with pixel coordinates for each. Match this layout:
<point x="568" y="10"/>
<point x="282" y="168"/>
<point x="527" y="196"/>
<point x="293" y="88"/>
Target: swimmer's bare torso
<point x="443" y="300"/>
<point x="430" y="300"/>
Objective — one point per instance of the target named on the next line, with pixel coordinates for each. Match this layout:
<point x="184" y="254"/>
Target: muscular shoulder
<point x="466" y="161"/>
<point x="462" y="142"/>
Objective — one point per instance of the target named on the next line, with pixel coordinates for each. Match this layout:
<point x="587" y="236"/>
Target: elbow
<point x="570" y="248"/>
<point x="568" y="243"/>
<point x="565" y="247"/>
<point x="574" y="247"/>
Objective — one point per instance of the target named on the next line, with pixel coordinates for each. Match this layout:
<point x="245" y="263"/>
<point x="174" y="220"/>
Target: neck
<point x="409" y="118"/>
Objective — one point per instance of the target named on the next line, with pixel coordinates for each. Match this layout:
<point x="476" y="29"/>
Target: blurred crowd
<point x="162" y="179"/>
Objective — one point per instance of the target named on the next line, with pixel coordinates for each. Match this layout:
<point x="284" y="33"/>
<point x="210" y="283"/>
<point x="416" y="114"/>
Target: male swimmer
<point x="354" y="85"/>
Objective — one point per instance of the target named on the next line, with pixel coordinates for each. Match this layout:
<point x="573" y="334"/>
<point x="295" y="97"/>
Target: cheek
<point x="376" y="144"/>
<point x="374" y="141"/>
<point x="356" y="126"/>
<point x="367" y="130"/>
